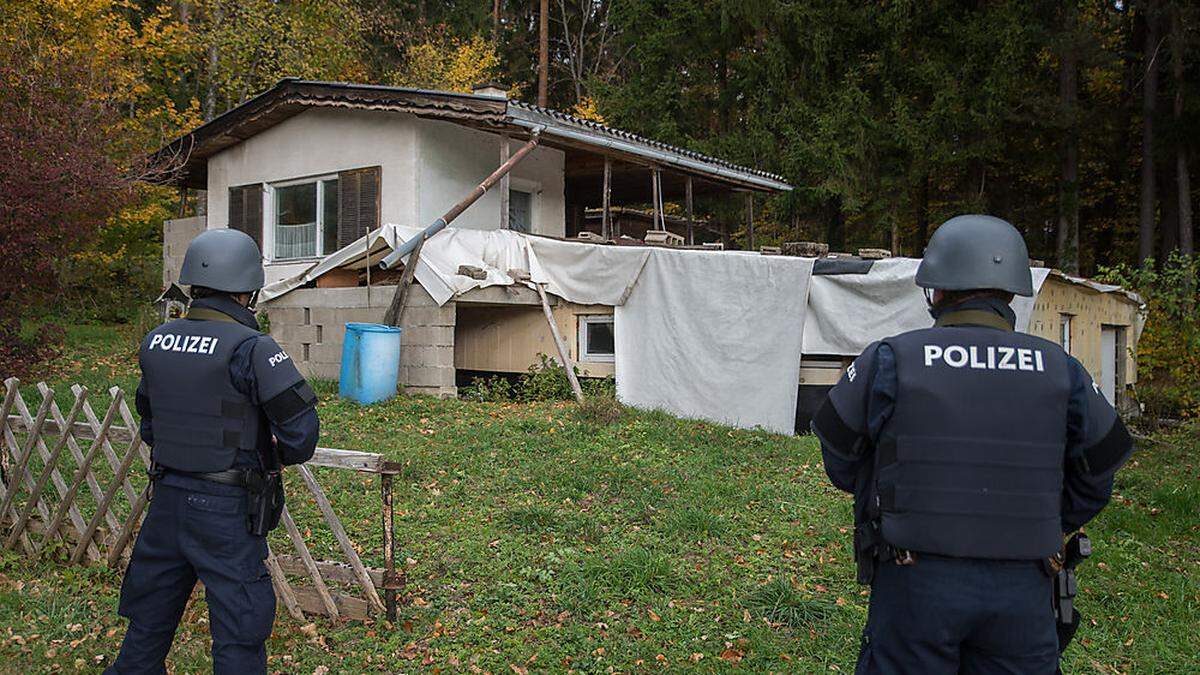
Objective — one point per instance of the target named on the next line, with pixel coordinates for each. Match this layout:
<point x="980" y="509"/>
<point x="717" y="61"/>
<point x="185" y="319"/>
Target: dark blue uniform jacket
<point x="295" y="438"/>
<point x="864" y="404"/>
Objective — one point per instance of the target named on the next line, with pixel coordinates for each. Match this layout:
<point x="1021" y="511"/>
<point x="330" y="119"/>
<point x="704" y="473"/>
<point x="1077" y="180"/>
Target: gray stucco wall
<point x="177" y="234"/>
<point x="309" y="324"/>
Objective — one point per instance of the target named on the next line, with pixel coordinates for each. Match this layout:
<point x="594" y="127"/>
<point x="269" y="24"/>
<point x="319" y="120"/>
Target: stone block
<point x="422" y="376"/>
<point x="417" y="356"/>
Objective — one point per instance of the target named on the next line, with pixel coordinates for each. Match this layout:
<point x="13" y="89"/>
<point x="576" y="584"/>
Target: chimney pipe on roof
<point x="489" y="89"/>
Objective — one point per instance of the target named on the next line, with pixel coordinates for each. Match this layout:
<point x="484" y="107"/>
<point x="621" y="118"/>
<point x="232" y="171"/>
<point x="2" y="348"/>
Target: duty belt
<point x="247" y="478"/>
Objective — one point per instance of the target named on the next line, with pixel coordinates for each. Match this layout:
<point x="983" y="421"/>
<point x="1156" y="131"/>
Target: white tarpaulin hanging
<point x="847" y="312"/>
<point x="714" y="335"/>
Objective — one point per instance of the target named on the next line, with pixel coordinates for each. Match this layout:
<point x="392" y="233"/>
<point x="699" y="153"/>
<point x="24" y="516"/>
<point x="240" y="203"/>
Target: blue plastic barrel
<point x="370" y="362"/>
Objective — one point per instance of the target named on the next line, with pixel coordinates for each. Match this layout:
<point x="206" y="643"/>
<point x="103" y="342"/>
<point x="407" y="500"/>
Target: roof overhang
<point x="188" y="155"/>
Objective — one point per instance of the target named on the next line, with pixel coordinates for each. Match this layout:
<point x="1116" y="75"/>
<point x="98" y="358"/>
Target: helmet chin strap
<point x="253" y="301"/>
<point x="928" y="292"/>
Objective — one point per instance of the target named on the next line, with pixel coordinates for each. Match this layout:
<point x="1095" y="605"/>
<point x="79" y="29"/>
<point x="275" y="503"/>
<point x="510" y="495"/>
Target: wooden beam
<point x="654" y="199"/>
<point x="563" y="355"/>
<point x="395" y="310"/>
<point x="750" y="221"/>
<point x="505" y="184"/>
<point x="691" y="227"/>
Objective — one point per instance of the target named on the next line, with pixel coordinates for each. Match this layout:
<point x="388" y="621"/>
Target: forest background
<point x="1076" y="120"/>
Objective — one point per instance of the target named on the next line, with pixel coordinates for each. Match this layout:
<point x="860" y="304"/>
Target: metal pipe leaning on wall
<point x="438" y="225"/>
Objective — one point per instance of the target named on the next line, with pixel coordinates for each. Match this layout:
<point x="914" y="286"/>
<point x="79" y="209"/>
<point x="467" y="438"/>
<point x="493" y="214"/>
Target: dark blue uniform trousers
<point x="196" y="529"/>
<point x="945" y="615"/>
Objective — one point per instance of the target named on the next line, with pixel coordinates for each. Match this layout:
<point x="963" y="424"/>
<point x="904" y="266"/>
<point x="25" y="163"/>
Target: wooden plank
<point x="563" y="355"/>
<point x="606" y="229"/>
<point x="10" y="394"/>
<point x="310" y="565"/>
<point x="339" y="533"/>
<point x="283" y="589"/>
<point x="93" y="484"/>
<point x="83" y="470"/>
<point x="366" y="462"/>
<point x="25" y="452"/>
<point x="83" y="431"/>
<point x="336" y="572"/>
<point x="311" y="601"/>
<point x="56" y="478"/>
<point x="44" y="478"/>
<point x="335" y="458"/>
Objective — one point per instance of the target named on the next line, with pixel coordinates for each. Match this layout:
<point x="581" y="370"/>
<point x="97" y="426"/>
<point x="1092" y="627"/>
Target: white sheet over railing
<point x="716" y="336"/>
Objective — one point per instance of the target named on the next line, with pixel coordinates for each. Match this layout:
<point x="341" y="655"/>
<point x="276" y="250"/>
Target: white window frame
<point x="1064" y="331"/>
<point x="587" y="320"/>
<point x="534" y="190"/>
<point x="269" y="208"/>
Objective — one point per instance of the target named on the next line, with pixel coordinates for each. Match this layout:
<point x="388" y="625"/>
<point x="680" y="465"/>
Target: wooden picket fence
<point x="93" y="516"/>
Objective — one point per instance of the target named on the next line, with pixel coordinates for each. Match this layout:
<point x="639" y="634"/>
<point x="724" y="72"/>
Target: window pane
<point x="520" y="210"/>
<point x="296" y="221"/>
<point x="329" y="216"/>
<point x="600" y="339"/>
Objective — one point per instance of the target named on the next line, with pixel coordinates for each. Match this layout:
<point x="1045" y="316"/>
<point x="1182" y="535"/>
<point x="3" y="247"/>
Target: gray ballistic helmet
<point x="975" y="253"/>
<point x="223" y="260"/>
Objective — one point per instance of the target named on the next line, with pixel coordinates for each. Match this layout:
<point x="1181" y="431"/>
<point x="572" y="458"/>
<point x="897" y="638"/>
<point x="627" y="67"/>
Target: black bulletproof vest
<point x="199" y="419"/>
<point x="971" y="462"/>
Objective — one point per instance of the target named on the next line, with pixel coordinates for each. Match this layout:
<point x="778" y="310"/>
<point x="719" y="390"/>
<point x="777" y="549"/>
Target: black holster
<point x="264" y="501"/>
<point x="867" y="541"/>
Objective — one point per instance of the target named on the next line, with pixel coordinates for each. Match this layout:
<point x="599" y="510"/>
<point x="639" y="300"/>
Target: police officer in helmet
<point x="970" y="450"/>
<point x="223" y="409"/>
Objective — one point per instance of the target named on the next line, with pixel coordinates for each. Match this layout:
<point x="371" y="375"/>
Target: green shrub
<point x="546" y="380"/>
<point x="1169" y="350"/>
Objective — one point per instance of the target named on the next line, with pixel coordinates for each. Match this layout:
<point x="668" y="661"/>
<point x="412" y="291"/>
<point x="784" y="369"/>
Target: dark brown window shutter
<point x="358" y="204"/>
<point x="245" y="210"/>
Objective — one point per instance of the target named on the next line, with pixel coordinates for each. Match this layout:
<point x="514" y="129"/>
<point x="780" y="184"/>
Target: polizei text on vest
<point x="191" y="344"/>
<point x="985" y="358"/>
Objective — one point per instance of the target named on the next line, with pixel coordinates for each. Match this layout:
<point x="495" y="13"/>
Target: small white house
<point x="308" y="167"/>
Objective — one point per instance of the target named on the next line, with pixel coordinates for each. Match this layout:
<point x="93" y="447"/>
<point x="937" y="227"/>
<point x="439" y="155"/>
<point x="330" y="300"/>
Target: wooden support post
<point x="339" y="533"/>
<point x="563" y="355"/>
<point x="47" y="469"/>
<point x="750" y="221"/>
<point x="654" y="197"/>
<point x="395" y="311"/>
<point x="505" y="184"/>
<point x="84" y="469"/>
<point x="391" y="582"/>
<point x="606" y="224"/>
<point x="309" y="564"/>
<point x="691" y="228"/>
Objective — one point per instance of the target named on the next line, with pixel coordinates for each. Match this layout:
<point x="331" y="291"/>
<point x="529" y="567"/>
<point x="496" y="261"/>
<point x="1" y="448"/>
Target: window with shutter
<point x="358" y="203"/>
<point x="245" y="210"/>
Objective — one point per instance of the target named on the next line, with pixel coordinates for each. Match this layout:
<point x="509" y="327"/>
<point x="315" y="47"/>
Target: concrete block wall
<point x="177" y="234"/>
<point x="309" y="324"/>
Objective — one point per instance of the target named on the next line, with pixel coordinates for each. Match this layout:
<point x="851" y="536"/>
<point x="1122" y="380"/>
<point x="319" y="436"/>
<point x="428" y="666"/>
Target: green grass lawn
<point x="539" y="541"/>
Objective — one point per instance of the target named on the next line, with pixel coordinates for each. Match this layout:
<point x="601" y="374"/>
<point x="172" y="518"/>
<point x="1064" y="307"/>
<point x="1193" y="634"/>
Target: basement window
<point x="597" y="339"/>
<point x="306" y="218"/>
